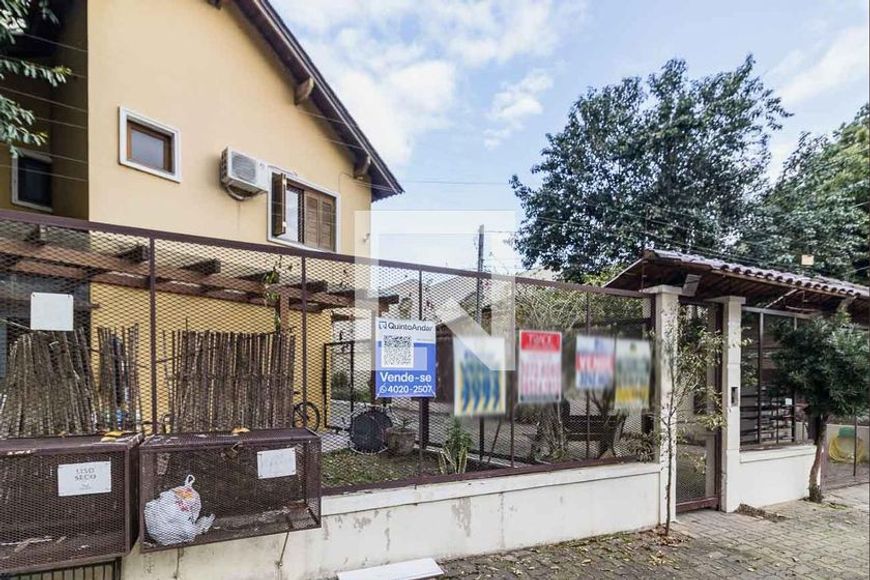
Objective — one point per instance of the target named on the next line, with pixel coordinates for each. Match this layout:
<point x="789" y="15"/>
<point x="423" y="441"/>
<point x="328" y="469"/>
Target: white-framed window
<point x="31" y="180"/>
<point x="148" y="145"/>
<point x="302" y="214"/>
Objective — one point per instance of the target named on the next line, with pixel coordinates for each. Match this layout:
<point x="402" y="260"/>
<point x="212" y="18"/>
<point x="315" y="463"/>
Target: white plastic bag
<point x="173" y="518"/>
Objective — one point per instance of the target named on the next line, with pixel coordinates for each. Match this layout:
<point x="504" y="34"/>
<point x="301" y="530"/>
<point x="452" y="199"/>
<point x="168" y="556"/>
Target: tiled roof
<point x="820" y="283"/>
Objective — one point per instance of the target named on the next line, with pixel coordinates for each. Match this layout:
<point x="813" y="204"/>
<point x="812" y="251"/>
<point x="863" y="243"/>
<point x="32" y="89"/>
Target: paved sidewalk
<point x="796" y="539"/>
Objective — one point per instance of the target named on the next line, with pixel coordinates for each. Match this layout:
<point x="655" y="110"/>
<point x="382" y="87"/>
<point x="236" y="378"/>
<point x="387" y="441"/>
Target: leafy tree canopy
<point x="672" y="156"/>
<point x="819" y="206"/>
<point x="16" y="121"/>
<point x="826" y="362"/>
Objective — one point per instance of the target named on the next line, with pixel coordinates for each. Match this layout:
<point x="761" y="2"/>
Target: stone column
<point x="732" y="334"/>
<point x="665" y="318"/>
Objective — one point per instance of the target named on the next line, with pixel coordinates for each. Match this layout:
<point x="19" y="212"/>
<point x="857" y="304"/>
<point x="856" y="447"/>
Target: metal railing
<point x="179" y="333"/>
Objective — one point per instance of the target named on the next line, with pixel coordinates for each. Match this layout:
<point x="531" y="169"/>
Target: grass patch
<point x="347" y="467"/>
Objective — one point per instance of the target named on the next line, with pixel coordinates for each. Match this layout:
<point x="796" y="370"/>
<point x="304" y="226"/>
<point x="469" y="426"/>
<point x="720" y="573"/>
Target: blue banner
<point x="404" y="358"/>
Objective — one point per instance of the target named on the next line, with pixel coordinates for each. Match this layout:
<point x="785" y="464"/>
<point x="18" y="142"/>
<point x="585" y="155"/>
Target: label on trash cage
<point x="276" y="463"/>
<point x="84" y="478"/>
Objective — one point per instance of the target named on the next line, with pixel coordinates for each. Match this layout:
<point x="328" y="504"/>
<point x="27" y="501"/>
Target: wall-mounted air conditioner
<point x="243" y="176"/>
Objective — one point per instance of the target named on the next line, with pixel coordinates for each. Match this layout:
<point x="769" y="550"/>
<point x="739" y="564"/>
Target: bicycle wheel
<point x="311" y="414"/>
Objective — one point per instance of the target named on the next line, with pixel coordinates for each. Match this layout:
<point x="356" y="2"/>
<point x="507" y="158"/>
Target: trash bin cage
<point x="254" y="483"/>
<point x="66" y="501"/>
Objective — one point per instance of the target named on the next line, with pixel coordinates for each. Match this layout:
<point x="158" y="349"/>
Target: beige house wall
<point x="209" y="74"/>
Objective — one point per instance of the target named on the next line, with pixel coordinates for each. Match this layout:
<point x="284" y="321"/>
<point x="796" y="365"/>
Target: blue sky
<point x="464" y="92"/>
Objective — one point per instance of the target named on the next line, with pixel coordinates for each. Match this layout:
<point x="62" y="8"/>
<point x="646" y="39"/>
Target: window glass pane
<point x="149" y="148"/>
<point x="291" y="215"/>
<point x="34" y="181"/>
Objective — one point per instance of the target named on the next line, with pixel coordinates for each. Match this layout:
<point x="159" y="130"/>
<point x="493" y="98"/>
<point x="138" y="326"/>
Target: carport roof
<point x="705" y="278"/>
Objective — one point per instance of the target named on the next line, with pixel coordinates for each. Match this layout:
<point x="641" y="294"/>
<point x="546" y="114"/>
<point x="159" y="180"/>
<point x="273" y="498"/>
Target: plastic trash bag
<point x="173" y="518"/>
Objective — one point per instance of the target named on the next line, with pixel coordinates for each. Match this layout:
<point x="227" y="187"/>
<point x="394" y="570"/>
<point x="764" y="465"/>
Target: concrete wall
<point x="443" y="521"/>
<point x="769" y="476"/>
<point x="210" y="75"/>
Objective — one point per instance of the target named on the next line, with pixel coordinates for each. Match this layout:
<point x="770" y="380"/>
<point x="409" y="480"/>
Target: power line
<point x="64" y="123"/>
<point x="64" y="157"/>
<point x="22" y="61"/>
<point x="49" y="173"/>
<point x="39" y="98"/>
<point x="54" y="42"/>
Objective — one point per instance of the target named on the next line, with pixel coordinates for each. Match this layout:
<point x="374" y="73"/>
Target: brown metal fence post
<point x="152" y="307"/>
<point x="422" y="402"/>
<point x="305" y="344"/>
<point x="760" y="355"/>
<point x="855" y="448"/>
<point x="588" y="398"/>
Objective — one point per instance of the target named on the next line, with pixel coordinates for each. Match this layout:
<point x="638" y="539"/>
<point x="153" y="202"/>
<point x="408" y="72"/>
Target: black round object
<point x="368" y="431"/>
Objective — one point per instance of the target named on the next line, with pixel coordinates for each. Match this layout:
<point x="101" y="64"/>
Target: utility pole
<point x="478" y="312"/>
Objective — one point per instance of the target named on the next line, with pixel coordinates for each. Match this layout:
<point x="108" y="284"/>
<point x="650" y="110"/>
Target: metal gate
<point x="698" y="474"/>
<point x="101" y="571"/>
<point x="345" y="381"/>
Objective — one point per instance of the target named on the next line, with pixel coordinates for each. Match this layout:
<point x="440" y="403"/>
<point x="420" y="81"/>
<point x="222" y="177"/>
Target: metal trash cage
<point x="228" y="486"/>
<point x="65" y="501"/>
<point x="101" y="571"/>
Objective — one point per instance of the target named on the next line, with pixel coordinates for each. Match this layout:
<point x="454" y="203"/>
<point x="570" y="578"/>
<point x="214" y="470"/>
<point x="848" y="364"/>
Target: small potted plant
<point x="400" y="440"/>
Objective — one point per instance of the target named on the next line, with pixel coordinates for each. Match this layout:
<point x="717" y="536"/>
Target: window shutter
<point x="327" y="224"/>
<point x="311" y="221"/>
<point x="279" y="227"/>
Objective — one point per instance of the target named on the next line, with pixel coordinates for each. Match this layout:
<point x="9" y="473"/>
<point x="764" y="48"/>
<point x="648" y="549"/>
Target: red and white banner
<point x="540" y="367"/>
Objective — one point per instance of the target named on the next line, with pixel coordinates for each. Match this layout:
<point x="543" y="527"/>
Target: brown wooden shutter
<point x="278" y="205"/>
<point x="311" y="221"/>
<point x="327" y="223"/>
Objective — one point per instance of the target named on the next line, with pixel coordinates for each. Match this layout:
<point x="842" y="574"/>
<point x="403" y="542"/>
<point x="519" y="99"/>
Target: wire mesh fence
<point x="176" y="336"/>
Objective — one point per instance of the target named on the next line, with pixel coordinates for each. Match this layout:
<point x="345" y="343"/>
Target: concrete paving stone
<point x="827" y="541"/>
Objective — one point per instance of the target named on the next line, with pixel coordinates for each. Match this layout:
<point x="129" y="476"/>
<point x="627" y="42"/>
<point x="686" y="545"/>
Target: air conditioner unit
<point x="243" y="176"/>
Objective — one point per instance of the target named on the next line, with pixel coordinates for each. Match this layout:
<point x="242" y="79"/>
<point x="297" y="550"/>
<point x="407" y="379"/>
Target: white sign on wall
<point x="84" y="478"/>
<point x="276" y="463"/>
<point x="51" y="311"/>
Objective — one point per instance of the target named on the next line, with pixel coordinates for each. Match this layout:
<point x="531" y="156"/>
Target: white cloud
<point x="399" y="64"/>
<point x="514" y="104"/>
<point x="844" y="61"/>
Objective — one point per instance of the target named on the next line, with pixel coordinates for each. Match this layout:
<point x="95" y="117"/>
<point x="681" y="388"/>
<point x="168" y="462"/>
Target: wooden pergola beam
<point x="198" y="279"/>
<point x="207" y="267"/>
<point x="137" y="254"/>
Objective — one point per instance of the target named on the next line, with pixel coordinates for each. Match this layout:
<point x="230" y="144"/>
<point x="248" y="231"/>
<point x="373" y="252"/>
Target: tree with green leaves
<point x="688" y="353"/>
<point x="671" y="161"/>
<point x="819" y="206"/>
<point x="17" y="121"/>
<point x="825" y="362"/>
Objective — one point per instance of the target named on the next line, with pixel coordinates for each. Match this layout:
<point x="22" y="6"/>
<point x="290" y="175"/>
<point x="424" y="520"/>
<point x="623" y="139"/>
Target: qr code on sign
<point x="397" y="352"/>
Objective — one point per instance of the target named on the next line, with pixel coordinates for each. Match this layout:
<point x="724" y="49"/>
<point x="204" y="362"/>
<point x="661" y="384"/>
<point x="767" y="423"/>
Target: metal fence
<point x="102" y="571"/>
<point x="179" y="334"/>
<point x="767" y="416"/>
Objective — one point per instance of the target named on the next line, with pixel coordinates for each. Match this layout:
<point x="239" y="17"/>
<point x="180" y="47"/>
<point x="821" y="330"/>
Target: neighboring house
<point x="160" y="90"/>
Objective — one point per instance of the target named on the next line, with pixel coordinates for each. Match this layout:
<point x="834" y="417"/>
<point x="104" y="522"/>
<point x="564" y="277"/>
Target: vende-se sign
<point x="540" y="367"/>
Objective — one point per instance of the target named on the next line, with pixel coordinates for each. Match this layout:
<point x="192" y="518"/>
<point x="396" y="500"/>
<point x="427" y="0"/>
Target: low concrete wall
<point x="443" y="521"/>
<point x="769" y="476"/>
